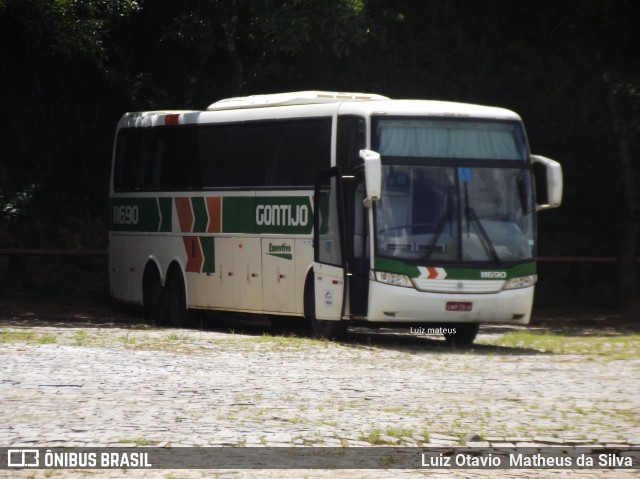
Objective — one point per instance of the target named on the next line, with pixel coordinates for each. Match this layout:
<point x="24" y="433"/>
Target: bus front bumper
<point x="391" y="304"/>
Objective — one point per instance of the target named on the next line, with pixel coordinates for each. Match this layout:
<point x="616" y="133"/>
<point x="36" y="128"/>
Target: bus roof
<point x="362" y="103"/>
<point x="292" y="98"/>
<point x="428" y="108"/>
<point x="311" y="104"/>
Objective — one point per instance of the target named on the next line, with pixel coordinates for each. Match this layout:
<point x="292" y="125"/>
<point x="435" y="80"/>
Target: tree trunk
<point x="628" y="253"/>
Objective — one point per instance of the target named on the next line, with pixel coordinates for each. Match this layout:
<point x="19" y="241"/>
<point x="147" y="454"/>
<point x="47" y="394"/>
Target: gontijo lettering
<point x="282" y="215"/>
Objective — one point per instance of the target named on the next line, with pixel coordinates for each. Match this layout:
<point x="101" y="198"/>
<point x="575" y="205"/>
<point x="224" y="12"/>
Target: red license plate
<point x="459" y="306"/>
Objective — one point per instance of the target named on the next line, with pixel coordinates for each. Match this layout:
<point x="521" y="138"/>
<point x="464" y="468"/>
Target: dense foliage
<point x="70" y="68"/>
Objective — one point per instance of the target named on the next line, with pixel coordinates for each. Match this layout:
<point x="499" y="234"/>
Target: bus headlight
<point x="521" y="282"/>
<point x="393" y="279"/>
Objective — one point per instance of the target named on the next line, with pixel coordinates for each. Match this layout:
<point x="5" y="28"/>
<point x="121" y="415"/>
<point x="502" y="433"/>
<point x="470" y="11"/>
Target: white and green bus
<point x="335" y="208"/>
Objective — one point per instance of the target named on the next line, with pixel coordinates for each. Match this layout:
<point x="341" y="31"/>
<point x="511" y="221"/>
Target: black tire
<point x="176" y="299"/>
<point x="321" y="329"/>
<point x="285" y="325"/>
<point x="464" y="336"/>
<point x="153" y="295"/>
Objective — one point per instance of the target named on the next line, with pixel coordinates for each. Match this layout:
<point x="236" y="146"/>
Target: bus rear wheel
<point x="464" y="334"/>
<point x="321" y="329"/>
<point x="176" y="298"/>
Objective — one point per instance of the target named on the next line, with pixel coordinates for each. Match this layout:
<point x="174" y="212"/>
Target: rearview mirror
<point x="553" y="180"/>
<point x="372" y="175"/>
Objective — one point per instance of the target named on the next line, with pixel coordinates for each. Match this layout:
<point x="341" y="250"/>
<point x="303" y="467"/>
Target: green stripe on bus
<point x="400" y="267"/>
<point x="238" y="214"/>
<point x="166" y="210"/>
<point x="267" y="214"/>
<point x="281" y="255"/>
<point x="209" y="253"/>
<point x="200" y="214"/>
<point x="477" y="273"/>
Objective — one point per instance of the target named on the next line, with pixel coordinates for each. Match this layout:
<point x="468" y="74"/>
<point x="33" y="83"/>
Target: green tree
<point x="53" y="79"/>
<point x="258" y="40"/>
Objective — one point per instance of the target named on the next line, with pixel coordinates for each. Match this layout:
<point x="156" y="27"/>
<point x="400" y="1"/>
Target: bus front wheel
<point x="321" y="329"/>
<point x="464" y="334"/>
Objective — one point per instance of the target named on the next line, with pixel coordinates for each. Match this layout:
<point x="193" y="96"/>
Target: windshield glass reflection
<point x="455" y="214"/>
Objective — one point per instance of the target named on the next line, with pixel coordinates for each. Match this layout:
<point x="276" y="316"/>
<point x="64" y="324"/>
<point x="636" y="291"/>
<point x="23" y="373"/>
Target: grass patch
<point x="128" y="340"/>
<point x="139" y="442"/>
<point x="81" y="338"/>
<point x="47" y="339"/>
<point x="18" y="336"/>
<point x="171" y="337"/>
<point x="283" y="343"/>
<point x="377" y="437"/>
<point x="630" y="416"/>
<point x="391" y="436"/>
<point x="609" y="347"/>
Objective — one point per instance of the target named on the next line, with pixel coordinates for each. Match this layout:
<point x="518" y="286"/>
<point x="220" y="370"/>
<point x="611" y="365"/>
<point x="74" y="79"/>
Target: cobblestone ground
<point x="71" y="381"/>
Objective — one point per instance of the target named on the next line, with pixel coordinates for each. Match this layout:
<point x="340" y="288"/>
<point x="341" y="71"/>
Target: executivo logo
<point x="280" y="250"/>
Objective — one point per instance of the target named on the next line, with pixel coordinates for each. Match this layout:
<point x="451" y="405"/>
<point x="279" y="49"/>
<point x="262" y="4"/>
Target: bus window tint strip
<point x="450" y="139"/>
<point x="251" y="154"/>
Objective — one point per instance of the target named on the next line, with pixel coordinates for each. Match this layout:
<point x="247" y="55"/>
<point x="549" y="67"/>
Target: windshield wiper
<point x="444" y="219"/>
<point x="472" y="216"/>
<point x="442" y="222"/>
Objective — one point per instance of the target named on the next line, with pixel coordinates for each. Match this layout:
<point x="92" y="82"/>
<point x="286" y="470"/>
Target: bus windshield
<point x="454" y="190"/>
<point x="455" y="214"/>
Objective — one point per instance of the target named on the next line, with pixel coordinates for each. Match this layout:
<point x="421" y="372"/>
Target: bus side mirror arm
<point x="553" y="176"/>
<point x="372" y="176"/>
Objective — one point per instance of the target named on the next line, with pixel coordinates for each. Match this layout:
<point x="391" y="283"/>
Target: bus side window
<point x="302" y="151"/>
<point x="131" y="163"/>
<point x="180" y="167"/>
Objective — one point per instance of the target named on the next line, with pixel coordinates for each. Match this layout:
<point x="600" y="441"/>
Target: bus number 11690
<point x="125" y="215"/>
